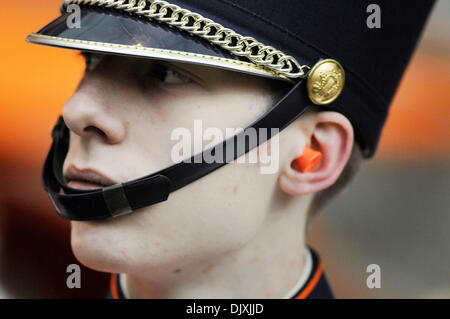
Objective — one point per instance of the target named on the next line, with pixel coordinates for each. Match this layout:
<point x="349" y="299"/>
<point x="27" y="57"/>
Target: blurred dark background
<point x="395" y="213"/>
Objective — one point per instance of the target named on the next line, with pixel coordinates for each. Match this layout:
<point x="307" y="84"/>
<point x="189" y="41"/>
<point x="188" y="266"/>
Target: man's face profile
<point x="121" y="119"/>
<point x="218" y="229"/>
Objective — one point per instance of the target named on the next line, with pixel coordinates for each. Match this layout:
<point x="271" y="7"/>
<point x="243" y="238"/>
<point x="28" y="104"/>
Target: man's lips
<point x="86" y="178"/>
<point x="83" y="185"/>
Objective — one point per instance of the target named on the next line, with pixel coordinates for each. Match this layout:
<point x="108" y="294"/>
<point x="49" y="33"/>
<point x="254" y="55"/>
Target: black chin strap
<point x="124" y="198"/>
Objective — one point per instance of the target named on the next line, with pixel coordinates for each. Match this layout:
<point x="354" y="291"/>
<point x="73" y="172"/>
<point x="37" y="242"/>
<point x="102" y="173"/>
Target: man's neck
<point x="270" y="266"/>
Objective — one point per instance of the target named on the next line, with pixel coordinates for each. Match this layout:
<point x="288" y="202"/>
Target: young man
<point x="156" y="70"/>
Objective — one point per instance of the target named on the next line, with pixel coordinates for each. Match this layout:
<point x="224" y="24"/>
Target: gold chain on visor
<point x="193" y="23"/>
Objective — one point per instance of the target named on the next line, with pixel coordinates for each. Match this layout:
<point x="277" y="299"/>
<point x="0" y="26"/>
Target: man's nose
<point x="87" y="114"/>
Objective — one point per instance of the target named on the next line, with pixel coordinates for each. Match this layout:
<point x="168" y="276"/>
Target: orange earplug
<point x="309" y="160"/>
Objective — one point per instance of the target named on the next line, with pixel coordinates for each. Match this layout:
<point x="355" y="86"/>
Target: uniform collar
<point x="312" y="284"/>
<point x="316" y="285"/>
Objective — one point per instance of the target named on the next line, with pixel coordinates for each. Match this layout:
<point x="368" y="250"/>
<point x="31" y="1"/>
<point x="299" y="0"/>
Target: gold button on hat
<point x="325" y="81"/>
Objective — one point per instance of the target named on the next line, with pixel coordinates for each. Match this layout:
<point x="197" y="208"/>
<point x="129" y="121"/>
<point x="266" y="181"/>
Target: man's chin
<point x="90" y="249"/>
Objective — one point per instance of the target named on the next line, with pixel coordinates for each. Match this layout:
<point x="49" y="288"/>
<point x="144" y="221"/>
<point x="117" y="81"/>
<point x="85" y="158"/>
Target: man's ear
<point x="332" y="135"/>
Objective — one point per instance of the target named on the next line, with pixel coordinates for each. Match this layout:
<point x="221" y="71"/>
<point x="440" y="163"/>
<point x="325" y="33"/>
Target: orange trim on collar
<point x="312" y="284"/>
<point x="113" y="284"/>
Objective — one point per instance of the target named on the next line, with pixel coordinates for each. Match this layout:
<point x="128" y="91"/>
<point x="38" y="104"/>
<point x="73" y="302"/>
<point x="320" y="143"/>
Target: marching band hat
<point x="347" y="56"/>
<point x="272" y="38"/>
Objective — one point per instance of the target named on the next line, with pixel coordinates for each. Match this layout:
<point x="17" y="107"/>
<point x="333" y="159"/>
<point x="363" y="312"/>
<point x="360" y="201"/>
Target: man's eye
<point x="173" y="77"/>
<point x="167" y="75"/>
<point x="91" y="59"/>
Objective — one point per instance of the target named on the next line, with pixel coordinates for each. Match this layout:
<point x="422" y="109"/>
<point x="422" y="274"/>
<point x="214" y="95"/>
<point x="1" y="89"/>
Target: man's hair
<point x="277" y="90"/>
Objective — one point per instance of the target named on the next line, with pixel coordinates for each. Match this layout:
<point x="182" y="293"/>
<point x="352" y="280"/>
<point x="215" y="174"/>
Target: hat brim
<point x="103" y="30"/>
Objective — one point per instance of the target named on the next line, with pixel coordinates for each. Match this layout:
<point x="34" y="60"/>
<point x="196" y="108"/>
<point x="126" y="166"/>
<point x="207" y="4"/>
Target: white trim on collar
<point x="123" y="286"/>
<point x="304" y="276"/>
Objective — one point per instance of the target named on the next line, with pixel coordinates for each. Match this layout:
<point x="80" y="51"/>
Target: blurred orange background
<point x="36" y="81"/>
